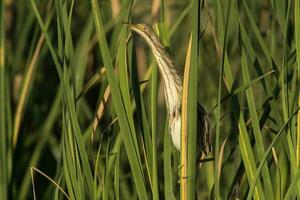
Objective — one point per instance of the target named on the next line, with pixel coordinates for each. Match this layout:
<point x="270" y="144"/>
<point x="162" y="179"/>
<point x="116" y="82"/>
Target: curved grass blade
<point x="243" y="87"/>
<point x="26" y="90"/>
<point x="4" y="134"/>
<point x="297" y="39"/>
<point x="168" y="176"/>
<point x="248" y="157"/>
<point x="191" y="79"/>
<point x="128" y="137"/>
<point x="257" y="33"/>
<point x="256" y="128"/>
<point x="218" y="112"/>
<point x="95" y="79"/>
<point x="263" y="161"/>
<point x="33" y="169"/>
<point x="184" y="126"/>
<point x="292" y="186"/>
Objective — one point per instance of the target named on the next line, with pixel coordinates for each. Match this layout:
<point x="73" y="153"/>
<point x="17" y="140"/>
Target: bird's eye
<point x="146" y="28"/>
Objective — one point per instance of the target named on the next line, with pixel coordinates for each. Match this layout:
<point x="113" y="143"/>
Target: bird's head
<point x="142" y="29"/>
<point x="146" y="32"/>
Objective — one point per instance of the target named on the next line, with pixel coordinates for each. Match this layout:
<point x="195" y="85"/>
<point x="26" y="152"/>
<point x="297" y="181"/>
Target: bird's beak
<point x="132" y="26"/>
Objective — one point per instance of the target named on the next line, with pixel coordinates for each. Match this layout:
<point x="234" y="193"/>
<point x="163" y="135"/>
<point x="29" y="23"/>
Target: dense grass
<point x="82" y="112"/>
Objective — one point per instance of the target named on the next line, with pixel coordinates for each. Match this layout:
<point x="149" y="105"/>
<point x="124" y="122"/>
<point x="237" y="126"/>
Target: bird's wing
<point x="203" y="130"/>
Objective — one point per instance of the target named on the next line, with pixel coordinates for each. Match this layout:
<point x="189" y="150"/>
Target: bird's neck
<point x="172" y="81"/>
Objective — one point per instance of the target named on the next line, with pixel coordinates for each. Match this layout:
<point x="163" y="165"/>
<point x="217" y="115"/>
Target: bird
<point x="173" y="87"/>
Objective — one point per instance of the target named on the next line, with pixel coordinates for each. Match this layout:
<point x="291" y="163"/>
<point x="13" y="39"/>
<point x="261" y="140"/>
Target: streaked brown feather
<point x="173" y="82"/>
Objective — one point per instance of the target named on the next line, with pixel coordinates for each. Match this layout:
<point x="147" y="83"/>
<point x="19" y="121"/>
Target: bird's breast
<point x="175" y="128"/>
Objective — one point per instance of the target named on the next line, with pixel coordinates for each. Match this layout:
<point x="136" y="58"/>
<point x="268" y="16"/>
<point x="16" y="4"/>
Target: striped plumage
<point x="173" y="83"/>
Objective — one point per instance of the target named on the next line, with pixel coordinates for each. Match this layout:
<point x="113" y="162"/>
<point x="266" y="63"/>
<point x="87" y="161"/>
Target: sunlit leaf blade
<point x="256" y="129"/>
<point x="129" y="141"/>
<point x="185" y="127"/>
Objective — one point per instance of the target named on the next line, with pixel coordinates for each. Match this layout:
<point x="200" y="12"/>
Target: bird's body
<point x="173" y="84"/>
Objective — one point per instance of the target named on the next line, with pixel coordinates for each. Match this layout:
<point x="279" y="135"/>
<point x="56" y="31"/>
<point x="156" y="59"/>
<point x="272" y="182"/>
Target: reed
<point x="83" y="111"/>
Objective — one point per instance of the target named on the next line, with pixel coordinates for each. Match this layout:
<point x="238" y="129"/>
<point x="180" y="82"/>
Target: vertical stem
<point x="297" y="35"/>
<point x="218" y="114"/>
<point x="184" y="130"/>
<point x="298" y="135"/>
<point x="154" y="129"/>
<point x="192" y="103"/>
<point x="3" y="129"/>
<point x="168" y="180"/>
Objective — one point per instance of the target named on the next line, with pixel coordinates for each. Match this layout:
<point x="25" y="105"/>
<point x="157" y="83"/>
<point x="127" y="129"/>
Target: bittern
<point x="173" y="83"/>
